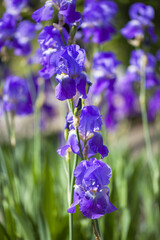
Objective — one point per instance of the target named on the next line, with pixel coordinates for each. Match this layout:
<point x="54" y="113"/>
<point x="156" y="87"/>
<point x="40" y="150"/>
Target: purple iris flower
<point x="66" y="8"/>
<point x="26" y="31"/>
<point x="97" y="21"/>
<point x="14" y="7"/>
<point x="69" y="72"/>
<point x="121" y="103"/>
<point x="133" y="29"/>
<point x="140" y="24"/>
<point x="141" y="12"/>
<point x="91" y="189"/>
<point x="16" y="96"/>
<point x="50" y="42"/>
<point x="7" y="28"/>
<point x="44" y="13"/>
<point x="90" y="123"/>
<point x="104" y="71"/>
<point x="68" y="11"/>
<point x="154" y="105"/>
<point x="133" y="72"/>
<point x="50" y="37"/>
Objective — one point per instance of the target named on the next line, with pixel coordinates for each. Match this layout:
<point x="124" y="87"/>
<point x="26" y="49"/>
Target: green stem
<point x="72" y="177"/>
<point x="37" y="131"/>
<point x="98" y="228"/>
<point x="8" y="126"/>
<point x="96" y="233"/>
<point x="79" y="143"/>
<point x="152" y="162"/>
<point x="71" y="107"/>
<point x="70" y="199"/>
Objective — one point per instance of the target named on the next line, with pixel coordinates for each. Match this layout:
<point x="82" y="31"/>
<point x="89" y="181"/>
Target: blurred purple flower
<point x="7" y="28"/>
<point x="140" y="24"/>
<point x="97" y="21"/>
<point x="16" y="96"/>
<point x="133" y="72"/>
<point x="91" y="190"/>
<point x="104" y="71"/>
<point x="141" y="12"/>
<point x="154" y="105"/>
<point x="158" y="55"/>
<point x="14" y="7"/>
<point x="26" y="31"/>
<point x="121" y="103"/>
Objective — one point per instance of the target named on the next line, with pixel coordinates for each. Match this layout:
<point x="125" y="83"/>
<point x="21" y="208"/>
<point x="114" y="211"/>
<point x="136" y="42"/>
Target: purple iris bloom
<point x="154" y="105"/>
<point x="133" y="72"/>
<point x="44" y="13"/>
<point x="90" y="123"/>
<point x="50" y="42"/>
<point x="140" y="24"/>
<point x="91" y="189"/>
<point x="68" y="10"/>
<point x="50" y="37"/>
<point x="16" y="96"/>
<point x="141" y="12"/>
<point x="25" y="32"/>
<point x="133" y="29"/>
<point x="104" y="71"/>
<point x="120" y="103"/>
<point x="14" y="7"/>
<point x="97" y="21"/>
<point x="7" y="28"/>
<point x="69" y="72"/>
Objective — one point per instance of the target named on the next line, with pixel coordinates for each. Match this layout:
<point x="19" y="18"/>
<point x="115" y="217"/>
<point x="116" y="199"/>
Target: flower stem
<point x="71" y="196"/>
<point x="98" y="228"/>
<point x="79" y="143"/>
<point x="152" y="162"/>
<point x="96" y="234"/>
<point x="71" y="107"/>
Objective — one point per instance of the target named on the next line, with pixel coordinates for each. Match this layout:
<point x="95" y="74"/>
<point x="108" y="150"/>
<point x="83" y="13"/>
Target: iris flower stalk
<point x="142" y="99"/>
<point x="61" y="56"/>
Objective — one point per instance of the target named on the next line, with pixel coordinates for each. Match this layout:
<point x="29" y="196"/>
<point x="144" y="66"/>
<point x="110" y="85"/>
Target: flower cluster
<point x="97" y="23"/>
<point x="91" y="190"/>
<point x="92" y="176"/>
<point x="89" y="127"/>
<point x="16" y="33"/>
<point x="134" y="70"/>
<point x="141" y="23"/>
<point x="63" y="59"/>
<point x="119" y="99"/>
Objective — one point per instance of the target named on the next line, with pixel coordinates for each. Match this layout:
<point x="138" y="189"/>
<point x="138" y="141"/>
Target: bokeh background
<point x="33" y="178"/>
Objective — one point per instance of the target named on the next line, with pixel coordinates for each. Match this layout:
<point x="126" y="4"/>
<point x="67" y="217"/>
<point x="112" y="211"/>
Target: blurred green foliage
<point x="33" y="178"/>
<point x="34" y="197"/>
